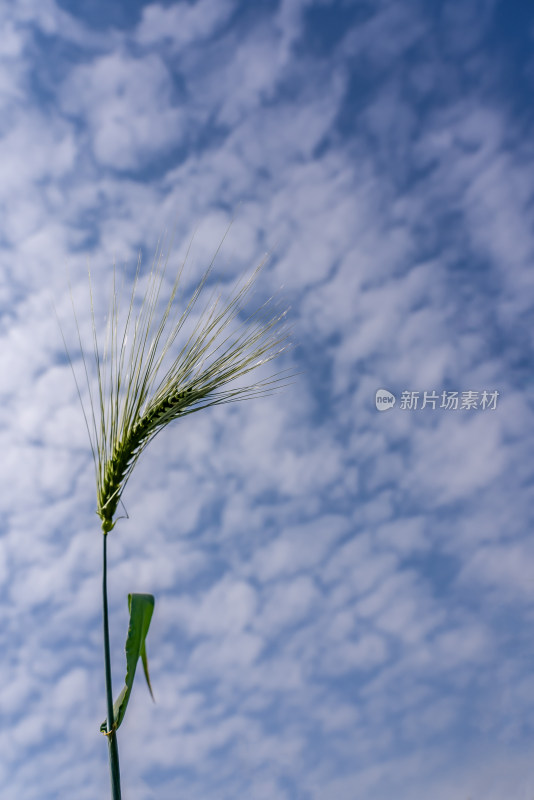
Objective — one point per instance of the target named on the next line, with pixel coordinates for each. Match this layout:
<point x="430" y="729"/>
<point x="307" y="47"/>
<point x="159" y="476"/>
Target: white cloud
<point x="128" y="104"/>
<point x="301" y="547"/>
<point x="183" y="23"/>
<point x="228" y="608"/>
<point x="470" y="444"/>
<point x="289" y="603"/>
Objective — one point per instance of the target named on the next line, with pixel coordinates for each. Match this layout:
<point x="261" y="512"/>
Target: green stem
<point x="112" y="734"/>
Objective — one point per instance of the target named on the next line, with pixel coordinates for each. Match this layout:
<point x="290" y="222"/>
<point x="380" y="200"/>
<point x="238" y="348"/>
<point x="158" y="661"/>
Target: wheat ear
<point x="141" y="386"/>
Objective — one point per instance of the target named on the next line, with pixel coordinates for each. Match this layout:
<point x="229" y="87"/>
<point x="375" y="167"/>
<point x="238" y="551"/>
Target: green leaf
<point x="140" y="607"/>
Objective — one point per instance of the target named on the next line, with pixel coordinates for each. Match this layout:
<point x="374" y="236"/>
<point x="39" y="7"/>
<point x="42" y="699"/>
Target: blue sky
<point x="344" y="597"/>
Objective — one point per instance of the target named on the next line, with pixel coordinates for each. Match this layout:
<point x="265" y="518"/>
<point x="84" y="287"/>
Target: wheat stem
<point x="112" y="734"/>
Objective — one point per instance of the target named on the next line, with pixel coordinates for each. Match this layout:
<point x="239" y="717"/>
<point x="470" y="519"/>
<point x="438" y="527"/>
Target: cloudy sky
<point x="344" y="596"/>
